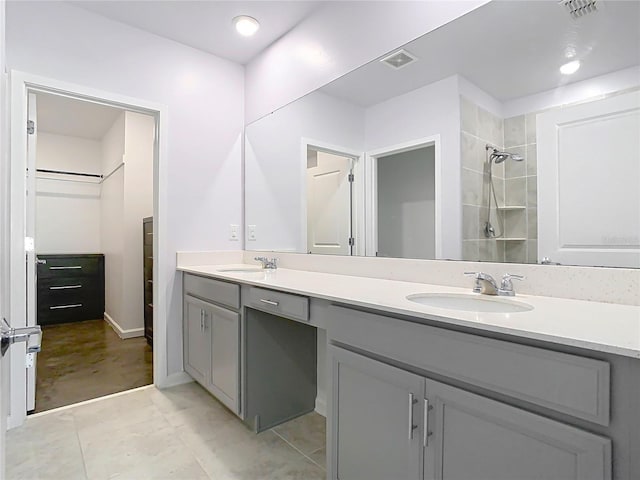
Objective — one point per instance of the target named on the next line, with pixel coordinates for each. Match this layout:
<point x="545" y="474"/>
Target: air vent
<point x="580" y="8"/>
<point x="398" y="59"/>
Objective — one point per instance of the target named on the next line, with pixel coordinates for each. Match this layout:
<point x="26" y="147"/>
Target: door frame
<point x="357" y="203"/>
<point x="21" y="84"/>
<point x="371" y="182"/>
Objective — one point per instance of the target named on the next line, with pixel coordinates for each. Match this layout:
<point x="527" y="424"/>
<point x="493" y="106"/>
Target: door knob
<point x="32" y="336"/>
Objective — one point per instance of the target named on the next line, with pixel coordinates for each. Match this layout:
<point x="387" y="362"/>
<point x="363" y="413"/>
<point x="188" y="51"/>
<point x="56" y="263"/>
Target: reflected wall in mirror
<point x="479" y="149"/>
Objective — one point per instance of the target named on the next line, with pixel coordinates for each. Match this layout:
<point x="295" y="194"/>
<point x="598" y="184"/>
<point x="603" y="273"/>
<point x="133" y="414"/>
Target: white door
<point x="30" y="228"/>
<point x="329" y="205"/>
<point x="588" y="177"/>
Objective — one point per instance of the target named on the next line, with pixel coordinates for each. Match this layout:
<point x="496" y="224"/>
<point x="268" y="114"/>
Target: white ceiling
<point x="206" y="25"/>
<point x="510" y="49"/>
<point x="75" y="118"/>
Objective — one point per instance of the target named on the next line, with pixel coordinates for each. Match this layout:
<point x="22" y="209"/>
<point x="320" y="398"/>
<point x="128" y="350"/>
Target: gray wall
<point x="406" y="204"/>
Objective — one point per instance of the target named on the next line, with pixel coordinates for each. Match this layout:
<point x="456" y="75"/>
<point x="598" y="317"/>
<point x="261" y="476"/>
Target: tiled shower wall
<point x="515" y="185"/>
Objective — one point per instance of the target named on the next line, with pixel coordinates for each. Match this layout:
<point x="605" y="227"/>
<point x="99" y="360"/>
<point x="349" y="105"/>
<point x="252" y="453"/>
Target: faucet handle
<point x="506" y="286"/>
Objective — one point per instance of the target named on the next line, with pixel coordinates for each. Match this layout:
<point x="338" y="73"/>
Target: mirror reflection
<point x="510" y="134"/>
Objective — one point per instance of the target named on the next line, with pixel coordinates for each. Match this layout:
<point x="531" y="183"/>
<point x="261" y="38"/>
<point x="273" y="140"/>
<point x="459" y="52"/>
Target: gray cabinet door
<point x="225" y="358"/>
<point x="475" y="438"/>
<point x="197" y="340"/>
<point x="375" y="420"/>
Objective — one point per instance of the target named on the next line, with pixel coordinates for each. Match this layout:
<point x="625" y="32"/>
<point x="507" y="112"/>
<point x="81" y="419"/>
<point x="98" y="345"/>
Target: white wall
<point x="112" y="219"/>
<point x="138" y="204"/>
<point x="275" y="165"/>
<point x="67" y="211"/>
<point x="406" y="204"/>
<point x="430" y="110"/>
<point x="337" y="38"/>
<point x="204" y="95"/>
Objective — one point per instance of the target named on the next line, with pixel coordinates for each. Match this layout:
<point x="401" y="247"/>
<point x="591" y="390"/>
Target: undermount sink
<point x="247" y="268"/>
<point x="469" y="302"/>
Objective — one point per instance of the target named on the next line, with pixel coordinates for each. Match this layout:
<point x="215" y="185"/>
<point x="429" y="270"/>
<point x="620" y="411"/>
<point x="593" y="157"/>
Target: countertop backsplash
<point x="598" y="284"/>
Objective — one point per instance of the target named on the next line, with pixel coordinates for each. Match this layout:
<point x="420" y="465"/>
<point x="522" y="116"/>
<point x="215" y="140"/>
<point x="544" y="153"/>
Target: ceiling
<point x="75" y="118"/>
<point x="509" y="49"/>
<point x="206" y="25"/>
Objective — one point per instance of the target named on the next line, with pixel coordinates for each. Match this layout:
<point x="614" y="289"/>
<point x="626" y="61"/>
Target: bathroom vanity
<point x="418" y="391"/>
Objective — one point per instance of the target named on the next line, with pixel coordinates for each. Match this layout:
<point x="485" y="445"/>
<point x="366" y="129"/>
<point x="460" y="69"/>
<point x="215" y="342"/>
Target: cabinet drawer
<point x="223" y="293"/>
<point x="64" y="266"/>
<point x="284" y="304"/>
<point x="571" y="384"/>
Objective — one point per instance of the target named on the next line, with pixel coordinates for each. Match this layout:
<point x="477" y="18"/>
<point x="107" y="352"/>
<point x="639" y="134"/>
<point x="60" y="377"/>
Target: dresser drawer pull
<point x="270" y="302"/>
<point x="58" y="307"/>
<point x="75" y="267"/>
<point x="65" y="287"/>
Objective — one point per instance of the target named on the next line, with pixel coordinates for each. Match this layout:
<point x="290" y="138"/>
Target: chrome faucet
<point x="486" y="284"/>
<point x="268" y="263"/>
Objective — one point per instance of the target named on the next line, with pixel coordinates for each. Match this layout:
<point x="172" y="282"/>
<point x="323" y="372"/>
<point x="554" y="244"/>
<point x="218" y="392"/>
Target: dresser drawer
<point x="570" y="384"/>
<point x="73" y="293"/>
<point x="64" y="266"/>
<point x="287" y="305"/>
<point x="216" y="291"/>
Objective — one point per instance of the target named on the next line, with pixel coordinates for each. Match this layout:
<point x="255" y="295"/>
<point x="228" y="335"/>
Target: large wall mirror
<point x="508" y="135"/>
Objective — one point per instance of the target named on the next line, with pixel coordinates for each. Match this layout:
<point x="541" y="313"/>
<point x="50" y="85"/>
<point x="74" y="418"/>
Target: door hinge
<point x="31" y="127"/>
<point x="352" y="241"/>
<point x="352" y="177"/>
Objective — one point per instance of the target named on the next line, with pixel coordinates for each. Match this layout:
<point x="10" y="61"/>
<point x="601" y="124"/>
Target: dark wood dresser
<point x="70" y="288"/>
<point x="147" y="246"/>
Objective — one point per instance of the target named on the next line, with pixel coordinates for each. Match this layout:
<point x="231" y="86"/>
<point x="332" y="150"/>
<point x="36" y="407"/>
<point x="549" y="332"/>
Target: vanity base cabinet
<point x="470" y="437"/>
<point x="390" y="423"/>
<point x="375" y="419"/>
<point x="212" y="343"/>
<point x="197" y="340"/>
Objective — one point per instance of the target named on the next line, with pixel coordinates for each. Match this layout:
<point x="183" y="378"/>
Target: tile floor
<point x="84" y="360"/>
<point x="180" y="433"/>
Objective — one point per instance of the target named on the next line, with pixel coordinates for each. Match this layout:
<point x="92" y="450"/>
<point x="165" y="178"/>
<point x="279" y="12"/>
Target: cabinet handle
<point x="273" y="303"/>
<point x="75" y="267"/>
<point x="426" y="433"/>
<point x="412" y="426"/>
<point x="204" y="320"/>
<point x="58" y="307"/>
<point x="201" y="320"/>
<point x="65" y="287"/>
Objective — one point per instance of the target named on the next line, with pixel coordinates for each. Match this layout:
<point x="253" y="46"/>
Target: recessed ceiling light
<point x="245" y="25"/>
<point x="570" y="67"/>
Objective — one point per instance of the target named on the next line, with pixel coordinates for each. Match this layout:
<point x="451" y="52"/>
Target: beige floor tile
<point x="320" y="457"/>
<point x="180" y="397"/>
<point x="306" y="433"/>
<point x="181" y="433"/>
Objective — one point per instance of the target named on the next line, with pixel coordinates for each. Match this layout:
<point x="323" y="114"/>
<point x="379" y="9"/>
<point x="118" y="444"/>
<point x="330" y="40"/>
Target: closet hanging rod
<point x="63" y="172"/>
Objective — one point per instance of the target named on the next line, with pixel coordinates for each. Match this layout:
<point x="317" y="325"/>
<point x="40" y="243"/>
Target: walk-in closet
<point x="92" y="227"/>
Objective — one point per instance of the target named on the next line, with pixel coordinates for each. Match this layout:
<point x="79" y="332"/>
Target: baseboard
<point x="175" y="379"/>
<point x="321" y="406"/>
<point x="122" y="333"/>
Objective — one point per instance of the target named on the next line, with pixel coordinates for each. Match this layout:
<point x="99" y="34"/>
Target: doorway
<point x="89" y="188"/>
<point x="406" y="204"/>
<point x="403" y="210"/>
<point x="330" y="202"/>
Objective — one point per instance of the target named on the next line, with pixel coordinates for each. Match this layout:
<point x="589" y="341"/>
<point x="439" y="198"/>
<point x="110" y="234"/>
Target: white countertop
<point x="595" y="326"/>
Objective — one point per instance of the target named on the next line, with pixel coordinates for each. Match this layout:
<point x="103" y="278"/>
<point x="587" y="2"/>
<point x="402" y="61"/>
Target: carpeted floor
<point x="84" y="360"/>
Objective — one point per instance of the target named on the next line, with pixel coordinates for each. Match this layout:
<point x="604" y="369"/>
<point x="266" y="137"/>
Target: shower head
<point x="498" y="157"/>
